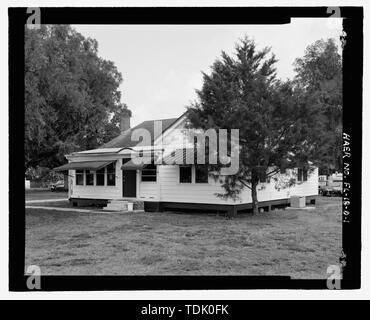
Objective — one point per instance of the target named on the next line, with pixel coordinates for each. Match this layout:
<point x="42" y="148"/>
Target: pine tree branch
<point x="245" y="184"/>
<point x="273" y="172"/>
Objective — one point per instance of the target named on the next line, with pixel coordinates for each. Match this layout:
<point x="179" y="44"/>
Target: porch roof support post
<point x="138" y="181"/>
<point x="158" y="182"/>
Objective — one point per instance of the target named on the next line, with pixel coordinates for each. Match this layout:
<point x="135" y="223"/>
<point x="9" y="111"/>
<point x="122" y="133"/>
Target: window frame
<point x="302" y="175"/>
<point x="111" y="173"/>
<point x="299" y="175"/>
<point x="82" y="175"/>
<point x="103" y="172"/>
<point x="195" y="173"/>
<point x="191" y="174"/>
<point x="100" y="174"/>
<point x="152" y="169"/>
<point x="89" y="173"/>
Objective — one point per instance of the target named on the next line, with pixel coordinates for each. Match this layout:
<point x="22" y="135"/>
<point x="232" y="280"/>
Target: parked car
<point x="331" y="186"/>
<point x="331" y="191"/>
<point x="57" y="186"/>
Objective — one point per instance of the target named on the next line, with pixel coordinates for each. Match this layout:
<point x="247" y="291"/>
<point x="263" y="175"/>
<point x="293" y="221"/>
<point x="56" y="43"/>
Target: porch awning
<point x="131" y="165"/>
<point x="83" y="165"/>
<point x="178" y="156"/>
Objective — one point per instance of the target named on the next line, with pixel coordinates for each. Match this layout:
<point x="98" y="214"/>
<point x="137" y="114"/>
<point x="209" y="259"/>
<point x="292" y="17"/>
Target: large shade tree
<point x="319" y="74"/>
<point x="278" y="127"/>
<point x="72" y="101"/>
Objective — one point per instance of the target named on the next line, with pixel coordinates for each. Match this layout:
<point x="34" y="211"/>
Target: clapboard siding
<point x="148" y="191"/>
<point x="97" y="192"/>
<point x="268" y="191"/>
<point x="173" y="191"/>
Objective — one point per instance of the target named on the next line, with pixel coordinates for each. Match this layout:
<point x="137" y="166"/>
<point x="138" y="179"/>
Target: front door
<point x="129" y="183"/>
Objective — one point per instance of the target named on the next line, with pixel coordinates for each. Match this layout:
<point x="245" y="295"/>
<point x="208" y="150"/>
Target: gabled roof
<point x="124" y="139"/>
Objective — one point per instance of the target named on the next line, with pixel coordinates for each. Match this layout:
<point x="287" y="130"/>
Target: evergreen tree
<point x="278" y="127"/>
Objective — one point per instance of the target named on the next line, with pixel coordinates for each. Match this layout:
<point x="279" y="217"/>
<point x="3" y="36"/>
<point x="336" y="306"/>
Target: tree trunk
<point x="254" y="195"/>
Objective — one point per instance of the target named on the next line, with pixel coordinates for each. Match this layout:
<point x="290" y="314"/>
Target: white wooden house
<point x="108" y="173"/>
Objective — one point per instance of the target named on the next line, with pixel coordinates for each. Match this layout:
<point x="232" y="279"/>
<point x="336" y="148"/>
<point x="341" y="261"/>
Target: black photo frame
<point x="352" y="128"/>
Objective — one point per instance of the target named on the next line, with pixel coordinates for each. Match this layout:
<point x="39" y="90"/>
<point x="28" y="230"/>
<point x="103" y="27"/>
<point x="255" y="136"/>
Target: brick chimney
<point x="125" y="123"/>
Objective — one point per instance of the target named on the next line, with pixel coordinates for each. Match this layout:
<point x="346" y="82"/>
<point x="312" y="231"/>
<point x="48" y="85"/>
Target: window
<point x="149" y="173"/>
<point x="111" y="174"/>
<point x="201" y="174"/>
<point x="100" y="177"/>
<point x="302" y="174"/>
<point x="299" y="178"/>
<point x="305" y="175"/>
<point x="79" y="177"/>
<point x="89" y="177"/>
<point x="263" y="179"/>
<point x="185" y="174"/>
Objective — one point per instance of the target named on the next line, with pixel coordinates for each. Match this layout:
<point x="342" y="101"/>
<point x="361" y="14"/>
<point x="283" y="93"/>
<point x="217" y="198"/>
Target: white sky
<point x="161" y="64"/>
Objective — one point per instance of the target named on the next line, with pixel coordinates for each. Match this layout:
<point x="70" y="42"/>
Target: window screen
<point x="111" y="174"/>
<point x="185" y="174"/>
<point x="89" y="177"/>
<point x="149" y="173"/>
<point x="201" y="174"/>
<point x="79" y="177"/>
<point x="302" y="174"/>
<point x="100" y="177"/>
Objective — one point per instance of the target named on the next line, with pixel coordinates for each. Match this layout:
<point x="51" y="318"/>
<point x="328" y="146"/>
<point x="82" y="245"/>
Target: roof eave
<point x="119" y="152"/>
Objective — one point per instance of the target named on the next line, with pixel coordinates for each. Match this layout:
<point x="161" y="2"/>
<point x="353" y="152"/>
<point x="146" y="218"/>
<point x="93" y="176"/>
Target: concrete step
<point x="117" y="205"/>
<point x="122" y="207"/>
<point x="114" y="209"/>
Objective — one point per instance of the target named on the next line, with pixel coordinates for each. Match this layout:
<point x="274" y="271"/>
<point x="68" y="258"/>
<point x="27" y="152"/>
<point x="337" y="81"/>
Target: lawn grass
<point x="45" y="194"/>
<point x="138" y="205"/>
<point x="63" y="204"/>
<point x="54" y="204"/>
<point x="298" y="243"/>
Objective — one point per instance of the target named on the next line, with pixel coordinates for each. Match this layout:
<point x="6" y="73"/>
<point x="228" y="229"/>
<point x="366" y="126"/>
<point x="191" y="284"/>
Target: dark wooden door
<point x="129" y="183"/>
